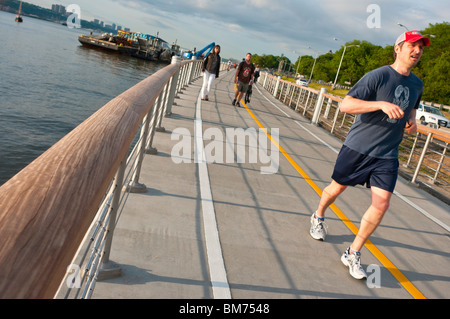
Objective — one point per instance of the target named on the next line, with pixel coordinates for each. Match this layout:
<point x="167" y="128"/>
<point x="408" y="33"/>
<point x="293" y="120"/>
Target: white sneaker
<point x="353" y="262"/>
<point x="318" y="228"/>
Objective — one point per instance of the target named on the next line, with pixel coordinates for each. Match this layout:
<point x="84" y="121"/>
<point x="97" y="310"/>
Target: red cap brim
<point x="419" y="37"/>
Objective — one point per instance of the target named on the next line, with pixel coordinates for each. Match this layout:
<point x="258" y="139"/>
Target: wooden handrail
<point x="437" y="134"/>
<point x="47" y="208"/>
<point x="333" y="97"/>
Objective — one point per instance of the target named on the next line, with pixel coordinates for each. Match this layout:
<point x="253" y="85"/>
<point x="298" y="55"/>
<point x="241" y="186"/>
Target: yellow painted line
<point x="374" y="250"/>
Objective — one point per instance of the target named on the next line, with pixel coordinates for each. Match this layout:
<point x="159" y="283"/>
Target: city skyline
<point x="61" y="9"/>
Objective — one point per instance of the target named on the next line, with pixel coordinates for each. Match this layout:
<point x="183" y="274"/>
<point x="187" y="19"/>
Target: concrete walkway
<point x="252" y="239"/>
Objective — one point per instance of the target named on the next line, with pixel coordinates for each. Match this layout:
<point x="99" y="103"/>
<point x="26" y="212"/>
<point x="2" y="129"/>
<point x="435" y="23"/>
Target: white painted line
<point x="406" y="200"/>
<point x="318" y="138"/>
<point x="298" y="123"/>
<point x="424" y="212"/>
<point x="218" y="275"/>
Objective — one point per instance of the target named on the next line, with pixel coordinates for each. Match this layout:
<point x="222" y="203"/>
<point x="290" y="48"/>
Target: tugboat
<point x="150" y="47"/>
<point x="109" y="42"/>
<point x="135" y="44"/>
<point x="19" y="17"/>
<point x="146" y="50"/>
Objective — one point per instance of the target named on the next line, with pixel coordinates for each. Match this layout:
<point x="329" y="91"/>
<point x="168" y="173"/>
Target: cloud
<point x="268" y="27"/>
<point x="235" y="28"/>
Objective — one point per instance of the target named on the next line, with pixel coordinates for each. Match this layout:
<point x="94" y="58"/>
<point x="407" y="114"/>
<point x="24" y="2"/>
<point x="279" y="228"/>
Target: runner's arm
<point x="353" y="105"/>
<point x="411" y="125"/>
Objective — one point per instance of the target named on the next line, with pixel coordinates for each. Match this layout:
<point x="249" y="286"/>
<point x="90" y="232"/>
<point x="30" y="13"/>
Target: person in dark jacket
<point x="211" y="66"/>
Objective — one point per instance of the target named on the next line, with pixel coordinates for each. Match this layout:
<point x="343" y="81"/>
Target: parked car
<point x="432" y="115"/>
<point x="301" y="82"/>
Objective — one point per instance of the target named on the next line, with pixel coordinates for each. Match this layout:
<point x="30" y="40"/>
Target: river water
<point x="49" y="84"/>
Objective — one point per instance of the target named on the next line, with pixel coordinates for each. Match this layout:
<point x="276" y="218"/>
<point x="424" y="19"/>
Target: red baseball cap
<point x="412" y="36"/>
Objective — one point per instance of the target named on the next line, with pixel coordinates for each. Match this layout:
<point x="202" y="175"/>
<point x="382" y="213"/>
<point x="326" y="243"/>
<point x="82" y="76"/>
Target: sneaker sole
<point x="345" y="262"/>
<point x="316" y="237"/>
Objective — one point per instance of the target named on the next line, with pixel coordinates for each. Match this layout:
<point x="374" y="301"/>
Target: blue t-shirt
<point x="374" y="133"/>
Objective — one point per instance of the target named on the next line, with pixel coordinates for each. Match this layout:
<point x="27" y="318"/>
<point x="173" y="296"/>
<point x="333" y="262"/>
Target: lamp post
<point x="312" y="70"/>
<point x="342" y="58"/>
<point x="298" y="63"/>
<point x="310" y="76"/>
<point x="403" y="26"/>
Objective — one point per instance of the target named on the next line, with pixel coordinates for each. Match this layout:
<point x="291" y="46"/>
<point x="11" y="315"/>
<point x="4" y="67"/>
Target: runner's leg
<point x="329" y="195"/>
<point x="373" y="216"/>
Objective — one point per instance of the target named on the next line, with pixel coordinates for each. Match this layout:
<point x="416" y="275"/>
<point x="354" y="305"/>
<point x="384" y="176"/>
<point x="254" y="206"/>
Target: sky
<point x="289" y="27"/>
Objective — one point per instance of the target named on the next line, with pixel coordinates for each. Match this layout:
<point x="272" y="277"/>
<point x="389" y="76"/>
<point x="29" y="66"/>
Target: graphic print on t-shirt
<point x="401" y="98"/>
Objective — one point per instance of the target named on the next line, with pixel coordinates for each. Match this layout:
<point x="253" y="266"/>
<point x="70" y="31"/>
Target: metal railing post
<point x="318" y="109"/>
<point x="191" y="71"/>
<point x="198" y="68"/>
<point x="306" y="103"/>
<point x="412" y="150"/>
<point x="335" y="118"/>
<point x="134" y="186"/>
<point x="164" y="95"/>
<point x="422" y="156"/>
<point x="327" y="109"/>
<point x="148" y="148"/>
<point x="173" y="87"/>
<point x="276" y="87"/>
<point x="286" y="92"/>
<point x="183" y="81"/>
<point x="265" y="80"/>
<point x="438" y="169"/>
<point x="108" y="268"/>
<point x="298" y="99"/>
<point x="292" y="95"/>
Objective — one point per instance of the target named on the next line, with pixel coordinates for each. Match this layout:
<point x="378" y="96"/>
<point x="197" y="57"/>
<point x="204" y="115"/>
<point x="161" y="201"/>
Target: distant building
<point x="59" y="9"/>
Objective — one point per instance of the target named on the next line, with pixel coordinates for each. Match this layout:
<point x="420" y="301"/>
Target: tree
<point x="433" y="68"/>
<point x="265" y="61"/>
<point x="436" y="84"/>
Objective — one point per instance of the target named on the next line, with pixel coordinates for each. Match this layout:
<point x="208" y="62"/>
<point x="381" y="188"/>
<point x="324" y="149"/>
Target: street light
<point x="310" y="76"/>
<point x="401" y="25"/>
<point x="342" y="58"/>
<point x="298" y="63"/>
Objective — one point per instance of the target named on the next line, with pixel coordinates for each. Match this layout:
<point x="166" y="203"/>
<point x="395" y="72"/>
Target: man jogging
<point x="243" y="78"/>
<point x="385" y="100"/>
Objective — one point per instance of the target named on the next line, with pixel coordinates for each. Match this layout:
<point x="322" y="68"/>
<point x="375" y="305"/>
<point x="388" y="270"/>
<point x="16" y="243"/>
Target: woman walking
<point x="211" y="66"/>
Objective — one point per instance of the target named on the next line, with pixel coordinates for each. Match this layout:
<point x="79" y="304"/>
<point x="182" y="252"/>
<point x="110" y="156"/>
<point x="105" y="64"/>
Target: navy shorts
<point x="353" y="168"/>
